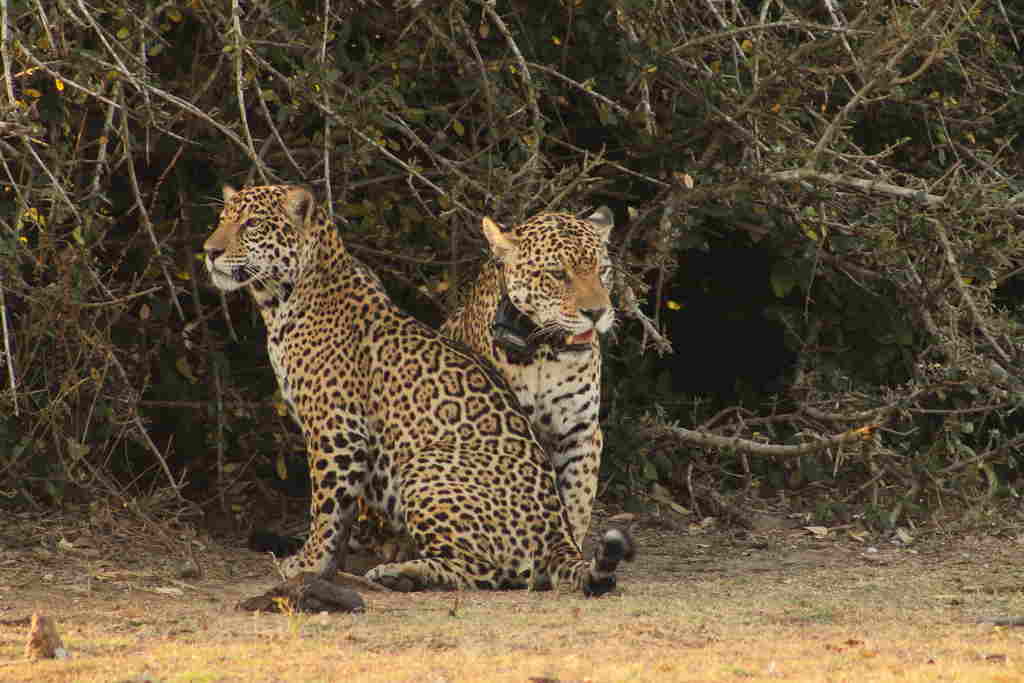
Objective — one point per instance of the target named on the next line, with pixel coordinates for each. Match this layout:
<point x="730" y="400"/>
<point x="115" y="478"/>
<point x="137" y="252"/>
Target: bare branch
<point x="126" y="140"/>
<point x="958" y="281"/>
<point x="615" y="106"/>
<point x="1013" y="445"/>
<point x="412" y="171"/>
<point x="631" y="308"/>
<point x="328" y="145"/>
<point x="739" y="30"/>
<point x="883" y="75"/>
<point x="5" y="57"/>
<point x="740" y="445"/>
<point x="276" y="134"/>
<point x="870" y="186"/>
<point x="65" y="79"/>
<point x="8" y="350"/>
<point x="618" y="167"/>
<point x="176" y="485"/>
<point x="438" y="159"/>
<point x="532" y="163"/>
<point x="239" y="45"/>
<point x="57" y="186"/>
<point x="44" y="21"/>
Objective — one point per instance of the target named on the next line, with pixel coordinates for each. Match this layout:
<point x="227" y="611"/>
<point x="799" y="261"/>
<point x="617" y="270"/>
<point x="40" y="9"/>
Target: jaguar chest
<point x="278" y="361"/>
<point x="295" y="353"/>
<point x="558" y="394"/>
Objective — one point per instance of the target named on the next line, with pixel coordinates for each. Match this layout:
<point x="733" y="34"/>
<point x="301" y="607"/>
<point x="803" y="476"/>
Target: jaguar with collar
<point x="537" y="310"/>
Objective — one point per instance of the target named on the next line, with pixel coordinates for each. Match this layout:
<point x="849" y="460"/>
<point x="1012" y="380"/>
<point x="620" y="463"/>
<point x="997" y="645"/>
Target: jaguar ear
<point x="503" y="245"/>
<point x="300" y="205"/>
<point x="228" y="193"/>
<point x="604" y="220"/>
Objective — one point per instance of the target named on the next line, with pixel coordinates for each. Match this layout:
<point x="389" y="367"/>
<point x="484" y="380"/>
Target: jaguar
<point x="415" y="424"/>
<point x="536" y="311"/>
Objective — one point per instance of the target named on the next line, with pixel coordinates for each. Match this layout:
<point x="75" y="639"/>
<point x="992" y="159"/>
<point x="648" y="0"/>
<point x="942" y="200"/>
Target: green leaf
<point x="783" y="278"/>
<point x="650" y="471"/>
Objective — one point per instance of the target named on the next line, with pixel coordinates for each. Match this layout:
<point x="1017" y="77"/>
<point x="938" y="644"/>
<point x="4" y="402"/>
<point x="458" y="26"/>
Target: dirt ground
<point x="156" y="602"/>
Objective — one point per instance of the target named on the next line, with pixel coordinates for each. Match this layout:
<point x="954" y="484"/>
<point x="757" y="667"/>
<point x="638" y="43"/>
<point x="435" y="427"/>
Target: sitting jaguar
<point x="421" y="428"/>
<point x="532" y="311"/>
<point x="535" y="311"/>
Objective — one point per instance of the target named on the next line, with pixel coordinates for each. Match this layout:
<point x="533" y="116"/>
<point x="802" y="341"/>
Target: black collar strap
<point x="513" y="332"/>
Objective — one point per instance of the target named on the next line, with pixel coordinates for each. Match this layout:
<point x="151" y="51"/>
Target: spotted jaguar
<point x="536" y="311"/>
<point x="423" y="429"/>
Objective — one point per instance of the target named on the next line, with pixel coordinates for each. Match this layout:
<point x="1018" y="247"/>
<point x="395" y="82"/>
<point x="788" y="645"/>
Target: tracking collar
<point x="516" y="334"/>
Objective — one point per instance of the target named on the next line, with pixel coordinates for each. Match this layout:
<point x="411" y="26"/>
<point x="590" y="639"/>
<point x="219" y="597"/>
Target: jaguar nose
<point x="593" y="314"/>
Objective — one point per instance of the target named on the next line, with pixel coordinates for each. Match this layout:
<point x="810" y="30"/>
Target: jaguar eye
<point x="559" y="275"/>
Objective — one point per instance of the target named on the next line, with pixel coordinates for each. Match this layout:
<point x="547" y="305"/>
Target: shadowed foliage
<point x="817" y="204"/>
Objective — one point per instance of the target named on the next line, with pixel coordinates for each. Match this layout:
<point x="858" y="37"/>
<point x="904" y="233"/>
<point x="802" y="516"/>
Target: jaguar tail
<point x="616" y="545"/>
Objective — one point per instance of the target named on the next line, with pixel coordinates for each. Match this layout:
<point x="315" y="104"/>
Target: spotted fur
<point x="420" y="427"/>
<point x="556" y="271"/>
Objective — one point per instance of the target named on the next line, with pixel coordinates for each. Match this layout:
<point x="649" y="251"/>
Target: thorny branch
<point x="239" y="45"/>
<point x="631" y="308"/>
<point x="741" y="445"/>
<point x="5" y="57"/>
<point x="965" y="295"/>
<point x="8" y="351"/>
<point x="532" y="165"/>
<point x="140" y="206"/>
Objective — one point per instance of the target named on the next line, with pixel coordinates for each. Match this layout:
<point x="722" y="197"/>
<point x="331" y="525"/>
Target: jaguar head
<point x="556" y="275"/>
<point x="258" y="238"/>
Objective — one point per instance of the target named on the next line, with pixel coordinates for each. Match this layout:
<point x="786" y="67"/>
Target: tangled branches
<point x="868" y="152"/>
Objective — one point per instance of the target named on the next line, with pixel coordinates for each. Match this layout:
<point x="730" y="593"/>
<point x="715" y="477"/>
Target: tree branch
<point x="533" y="161"/>
<point x="239" y="49"/>
<point x="126" y="140"/>
<point x="8" y="350"/>
<point x="965" y="295"/>
<point x="5" y="57"/>
<point x="883" y="74"/>
<point x="739" y="30"/>
<point x="869" y="186"/>
<point x="741" y="445"/>
<point x="631" y="308"/>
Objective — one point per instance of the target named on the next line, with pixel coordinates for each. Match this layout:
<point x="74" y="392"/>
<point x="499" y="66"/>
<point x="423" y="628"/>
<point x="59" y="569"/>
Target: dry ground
<point x="700" y="604"/>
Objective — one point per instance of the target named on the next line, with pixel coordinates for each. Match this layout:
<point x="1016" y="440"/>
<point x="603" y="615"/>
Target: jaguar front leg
<point x="577" y="461"/>
<point x="336" y="482"/>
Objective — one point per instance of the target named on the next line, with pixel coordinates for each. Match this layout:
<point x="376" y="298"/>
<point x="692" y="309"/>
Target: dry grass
<point x="782" y="606"/>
